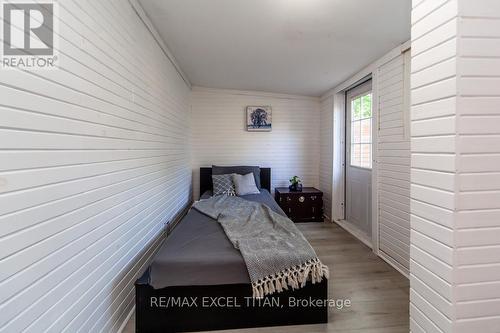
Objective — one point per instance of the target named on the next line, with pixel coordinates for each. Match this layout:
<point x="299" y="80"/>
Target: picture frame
<point x="259" y="118"/>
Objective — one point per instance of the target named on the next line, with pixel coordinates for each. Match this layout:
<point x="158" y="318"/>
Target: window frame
<point x="352" y="121"/>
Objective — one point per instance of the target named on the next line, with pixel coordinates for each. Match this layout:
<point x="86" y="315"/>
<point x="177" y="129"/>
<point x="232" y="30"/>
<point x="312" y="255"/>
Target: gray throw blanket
<point x="276" y="253"/>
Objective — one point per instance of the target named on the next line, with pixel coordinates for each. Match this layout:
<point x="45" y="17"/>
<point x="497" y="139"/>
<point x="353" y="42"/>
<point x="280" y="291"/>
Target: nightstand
<point x="305" y="206"/>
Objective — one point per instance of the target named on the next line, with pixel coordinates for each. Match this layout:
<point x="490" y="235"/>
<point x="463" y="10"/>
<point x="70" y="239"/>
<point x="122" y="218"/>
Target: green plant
<point x="295" y="180"/>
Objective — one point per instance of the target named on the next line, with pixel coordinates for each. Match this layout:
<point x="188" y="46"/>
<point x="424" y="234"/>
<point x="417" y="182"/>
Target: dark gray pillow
<point x="240" y="170"/>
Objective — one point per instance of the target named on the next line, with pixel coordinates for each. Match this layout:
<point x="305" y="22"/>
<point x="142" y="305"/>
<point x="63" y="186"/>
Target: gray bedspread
<point x="276" y="254"/>
<point x="198" y="251"/>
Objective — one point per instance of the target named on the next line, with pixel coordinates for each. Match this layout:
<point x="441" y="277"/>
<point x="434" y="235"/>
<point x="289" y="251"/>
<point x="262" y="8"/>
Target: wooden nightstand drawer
<point x="304" y="206"/>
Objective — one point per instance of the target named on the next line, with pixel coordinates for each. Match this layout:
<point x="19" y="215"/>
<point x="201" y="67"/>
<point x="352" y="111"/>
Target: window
<point x="361" y="131"/>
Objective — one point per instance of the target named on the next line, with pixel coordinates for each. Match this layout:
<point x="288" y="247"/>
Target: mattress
<point x="198" y="252"/>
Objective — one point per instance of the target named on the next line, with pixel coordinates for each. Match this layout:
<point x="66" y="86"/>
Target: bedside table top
<point x="284" y="190"/>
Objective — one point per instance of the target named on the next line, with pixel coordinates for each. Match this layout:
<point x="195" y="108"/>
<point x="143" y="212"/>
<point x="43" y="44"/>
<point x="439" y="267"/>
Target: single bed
<point x="199" y="281"/>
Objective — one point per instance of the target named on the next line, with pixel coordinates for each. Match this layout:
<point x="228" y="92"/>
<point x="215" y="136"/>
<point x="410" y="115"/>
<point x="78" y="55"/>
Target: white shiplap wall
<point x="433" y="164"/>
<point x="219" y="134"/>
<point x="94" y="159"/>
<point x="326" y="153"/>
<point x="455" y="265"/>
<point x="477" y="223"/>
<point x="393" y="158"/>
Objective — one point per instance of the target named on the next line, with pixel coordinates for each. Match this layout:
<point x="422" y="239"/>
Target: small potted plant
<point x="295" y="184"/>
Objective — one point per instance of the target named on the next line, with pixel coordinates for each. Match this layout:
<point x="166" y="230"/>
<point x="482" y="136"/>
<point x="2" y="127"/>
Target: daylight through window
<point x="361" y="131"/>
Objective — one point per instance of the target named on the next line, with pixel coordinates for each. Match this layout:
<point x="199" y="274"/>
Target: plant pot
<point x="295" y="187"/>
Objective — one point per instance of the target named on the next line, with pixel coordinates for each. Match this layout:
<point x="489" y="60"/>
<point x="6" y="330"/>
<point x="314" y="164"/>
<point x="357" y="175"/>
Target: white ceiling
<point x="288" y="46"/>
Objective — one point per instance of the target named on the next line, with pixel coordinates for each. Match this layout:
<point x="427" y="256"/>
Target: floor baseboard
<point x="355" y="232"/>
<point x="169" y="228"/>
<point x="122" y="326"/>
<point x="365" y="239"/>
<point x="401" y="269"/>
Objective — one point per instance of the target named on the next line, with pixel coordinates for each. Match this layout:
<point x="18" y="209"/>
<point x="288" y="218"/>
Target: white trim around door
<point x="338" y="174"/>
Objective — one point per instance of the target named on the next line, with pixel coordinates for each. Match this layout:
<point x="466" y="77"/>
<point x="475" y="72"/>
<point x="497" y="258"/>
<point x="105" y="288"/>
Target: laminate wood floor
<point x="378" y="293"/>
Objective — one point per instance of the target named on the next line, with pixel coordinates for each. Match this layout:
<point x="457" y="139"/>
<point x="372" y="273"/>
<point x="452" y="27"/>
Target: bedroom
<point x="345" y="154"/>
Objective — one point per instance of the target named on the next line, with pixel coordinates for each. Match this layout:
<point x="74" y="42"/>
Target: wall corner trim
<point x="367" y="70"/>
<point x="253" y="93"/>
<point x="159" y="40"/>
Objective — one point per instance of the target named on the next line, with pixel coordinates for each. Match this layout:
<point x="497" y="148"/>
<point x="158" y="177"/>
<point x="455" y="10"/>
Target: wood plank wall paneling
<point x="455" y="266"/>
<point x="433" y="158"/>
<point x="394" y="163"/>
<point x="477" y="236"/>
<point x="94" y="159"/>
<point x="326" y="153"/>
<point x="219" y="134"/>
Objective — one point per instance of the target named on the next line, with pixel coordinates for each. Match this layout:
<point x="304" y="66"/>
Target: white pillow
<point x="244" y="185"/>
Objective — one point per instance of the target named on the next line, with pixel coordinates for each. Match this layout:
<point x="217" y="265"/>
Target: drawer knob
<point x="302" y="199"/>
<point x="288" y="199"/>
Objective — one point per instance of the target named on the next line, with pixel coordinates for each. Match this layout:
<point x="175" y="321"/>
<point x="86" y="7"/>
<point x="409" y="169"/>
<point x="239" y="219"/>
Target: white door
<point x="359" y="157"/>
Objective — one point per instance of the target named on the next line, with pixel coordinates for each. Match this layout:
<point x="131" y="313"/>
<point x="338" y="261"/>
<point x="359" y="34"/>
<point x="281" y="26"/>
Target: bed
<point x="184" y="290"/>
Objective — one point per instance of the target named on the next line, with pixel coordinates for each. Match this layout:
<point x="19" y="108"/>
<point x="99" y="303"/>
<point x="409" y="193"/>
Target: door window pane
<point x="366" y="130"/>
<point x="356" y="154"/>
<point x="356" y="109"/>
<point x="356" y="131"/>
<point x="366" y="156"/>
<point x="366" y="106"/>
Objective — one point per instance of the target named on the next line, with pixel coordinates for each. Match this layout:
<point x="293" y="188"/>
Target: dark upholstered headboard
<point x="206" y="179"/>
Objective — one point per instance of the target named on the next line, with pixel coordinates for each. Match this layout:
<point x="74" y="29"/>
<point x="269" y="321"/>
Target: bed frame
<point x="234" y="307"/>
<point x="206" y="179"/>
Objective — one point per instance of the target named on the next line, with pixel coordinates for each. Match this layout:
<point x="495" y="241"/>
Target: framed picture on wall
<point x="259" y="118"/>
